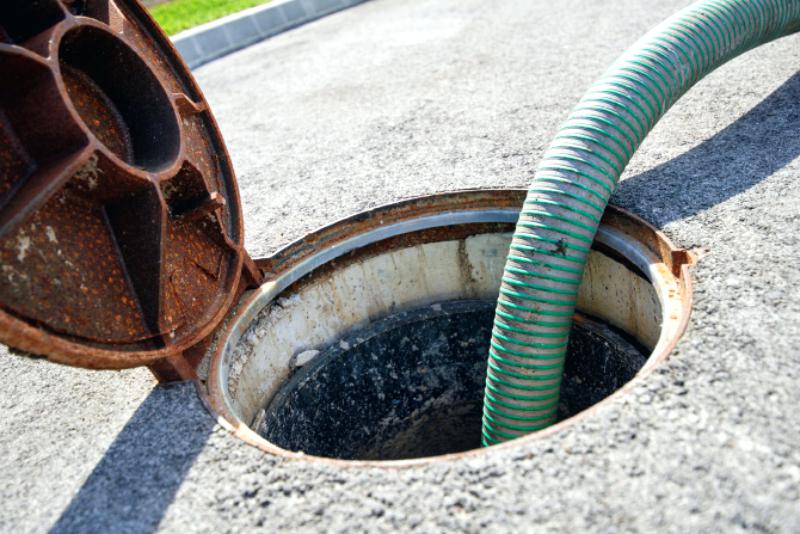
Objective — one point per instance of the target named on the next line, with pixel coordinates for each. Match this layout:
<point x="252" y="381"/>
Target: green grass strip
<point x="178" y="15"/>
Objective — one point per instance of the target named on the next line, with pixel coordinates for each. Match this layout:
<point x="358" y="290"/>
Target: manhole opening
<point x="411" y="385"/>
<point x="376" y="348"/>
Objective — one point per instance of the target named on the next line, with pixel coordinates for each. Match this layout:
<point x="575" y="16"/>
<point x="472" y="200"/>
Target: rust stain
<point x="113" y="179"/>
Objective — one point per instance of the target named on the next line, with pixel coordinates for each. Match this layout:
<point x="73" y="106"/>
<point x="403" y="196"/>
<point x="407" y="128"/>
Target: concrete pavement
<point x="395" y="98"/>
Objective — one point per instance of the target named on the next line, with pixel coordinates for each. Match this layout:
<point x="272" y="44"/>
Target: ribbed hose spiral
<point x="571" y="188"/>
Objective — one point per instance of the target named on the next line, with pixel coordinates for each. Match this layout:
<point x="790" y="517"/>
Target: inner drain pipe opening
<point x="373" y="348"/>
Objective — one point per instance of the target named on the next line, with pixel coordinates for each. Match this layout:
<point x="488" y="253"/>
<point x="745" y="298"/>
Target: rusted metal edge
<point x="58" y="96"/>
<point x="502" y="204"/>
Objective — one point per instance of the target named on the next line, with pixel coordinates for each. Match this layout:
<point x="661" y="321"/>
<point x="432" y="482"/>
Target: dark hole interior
<point x="131" y="114"/>
<point x="411" y="385"/>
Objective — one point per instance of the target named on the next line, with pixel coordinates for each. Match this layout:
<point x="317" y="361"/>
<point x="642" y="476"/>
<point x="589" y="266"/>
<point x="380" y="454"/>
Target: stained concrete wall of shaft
<point x="458" y="94"/>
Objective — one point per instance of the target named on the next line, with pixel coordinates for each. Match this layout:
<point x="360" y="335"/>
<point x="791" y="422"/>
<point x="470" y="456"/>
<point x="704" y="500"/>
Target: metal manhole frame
<point x="441" y="210"/>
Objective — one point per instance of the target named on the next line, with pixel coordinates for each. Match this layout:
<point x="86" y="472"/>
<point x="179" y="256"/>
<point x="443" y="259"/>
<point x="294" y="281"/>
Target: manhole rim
<point x="404" y="217"/>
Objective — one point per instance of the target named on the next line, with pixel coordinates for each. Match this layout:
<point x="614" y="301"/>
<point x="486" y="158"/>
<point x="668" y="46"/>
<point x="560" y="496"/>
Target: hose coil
<point x="571" y="189"/>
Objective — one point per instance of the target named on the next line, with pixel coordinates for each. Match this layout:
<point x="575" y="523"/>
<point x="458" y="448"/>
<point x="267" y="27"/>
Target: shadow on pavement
<point x="132" y="486"/>
<point x="760" y="142"/>
<point x="134" y="483"/>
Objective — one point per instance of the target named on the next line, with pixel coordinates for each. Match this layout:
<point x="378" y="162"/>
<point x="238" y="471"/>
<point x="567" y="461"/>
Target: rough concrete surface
<point x="396" y="98"/>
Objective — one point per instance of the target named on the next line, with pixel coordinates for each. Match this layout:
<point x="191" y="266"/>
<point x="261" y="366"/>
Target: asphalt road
<point x="396" y="98"/>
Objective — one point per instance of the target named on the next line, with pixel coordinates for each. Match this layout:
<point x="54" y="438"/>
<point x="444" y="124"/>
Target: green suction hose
<point x="571" y="189"/>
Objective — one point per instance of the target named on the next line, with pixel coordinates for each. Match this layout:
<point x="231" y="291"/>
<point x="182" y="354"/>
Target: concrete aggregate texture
<point x="396" y="98"/>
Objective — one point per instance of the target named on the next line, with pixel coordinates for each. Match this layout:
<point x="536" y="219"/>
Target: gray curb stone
<point x="221" y="37"/>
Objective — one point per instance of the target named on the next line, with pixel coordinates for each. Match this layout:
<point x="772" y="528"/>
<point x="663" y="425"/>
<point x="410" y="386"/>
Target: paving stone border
<point x="210" y="41"/>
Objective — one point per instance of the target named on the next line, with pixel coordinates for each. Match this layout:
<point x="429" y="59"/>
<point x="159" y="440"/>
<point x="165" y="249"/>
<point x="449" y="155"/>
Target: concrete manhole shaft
<point x="341" y="341"/>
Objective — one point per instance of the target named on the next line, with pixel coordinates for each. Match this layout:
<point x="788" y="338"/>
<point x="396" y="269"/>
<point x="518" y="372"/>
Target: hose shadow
<point x="134" y="483"/>
<point x="759" y="143"/>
